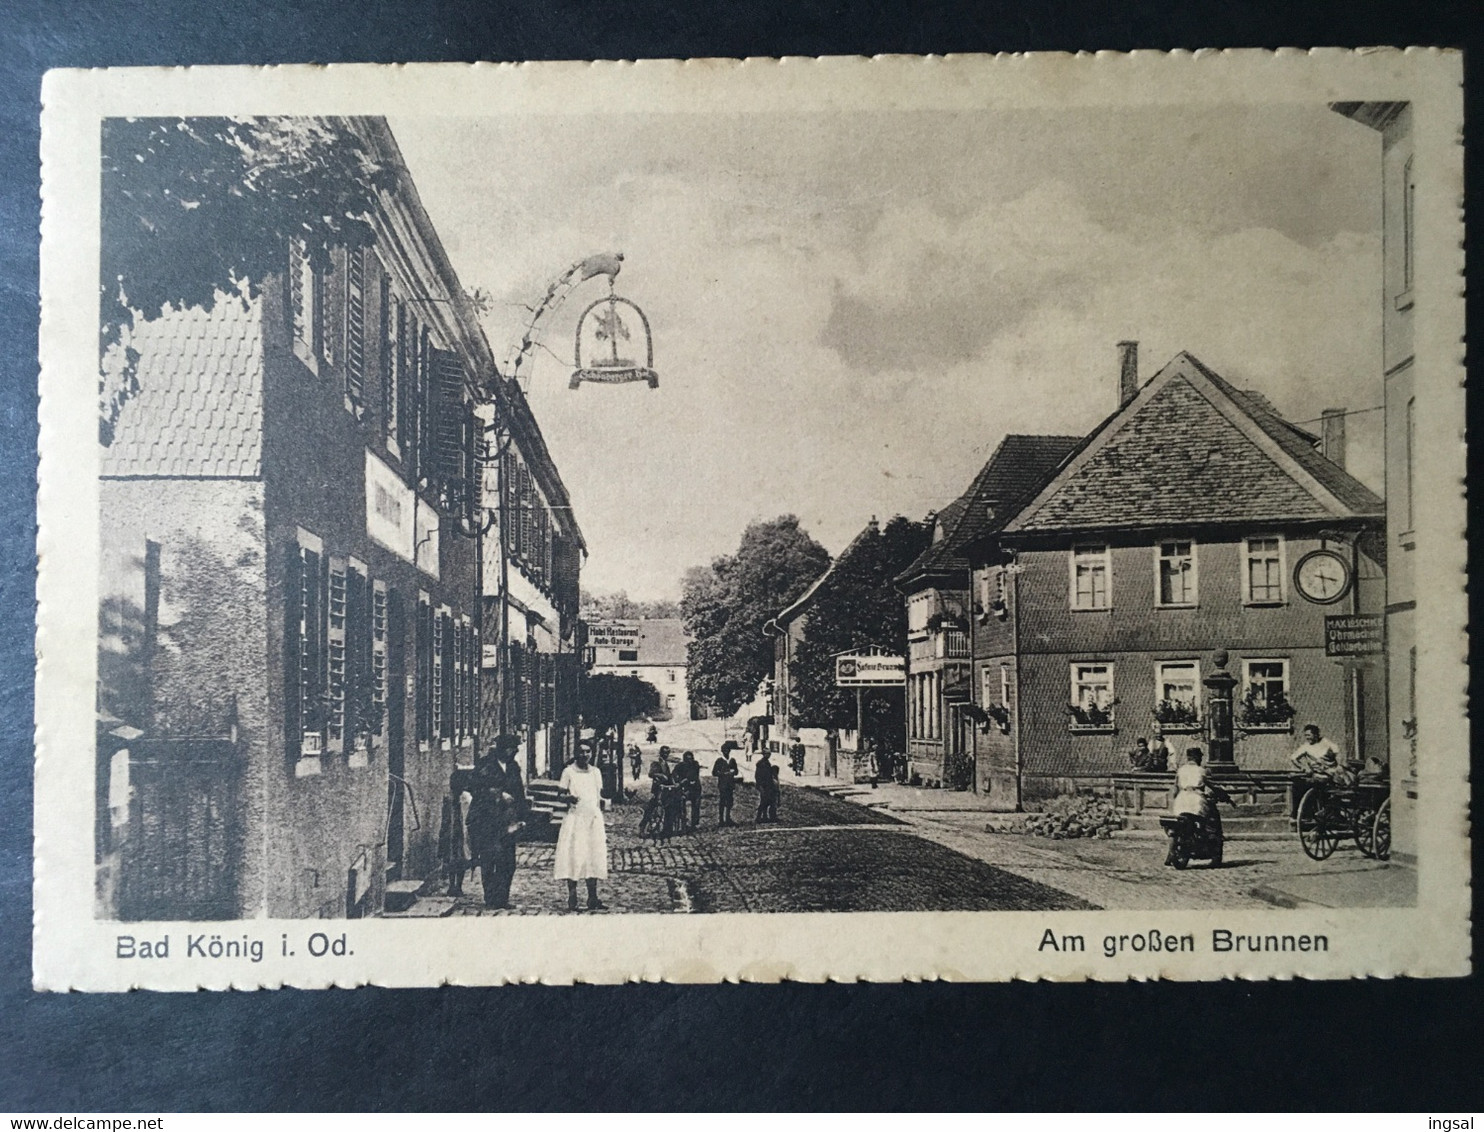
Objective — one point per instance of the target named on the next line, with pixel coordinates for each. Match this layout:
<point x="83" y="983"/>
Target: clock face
<point x="1322" y="576"/>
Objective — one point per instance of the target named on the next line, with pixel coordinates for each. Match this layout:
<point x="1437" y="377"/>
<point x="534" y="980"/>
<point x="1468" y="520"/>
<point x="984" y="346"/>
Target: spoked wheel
<point x="1179" y="852"/>
<point x="1315" y="835"/>
<point x="1381" y="832"/>
<point x="1365" y="830"/>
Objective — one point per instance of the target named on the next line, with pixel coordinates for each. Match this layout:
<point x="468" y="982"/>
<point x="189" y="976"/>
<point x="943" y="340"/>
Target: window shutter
<point x="380" y="611"/>
<point x="359" y="713"/>
<point x="312" y="651"/>
<point x="448" y="432"/>
<point x="424" y="629"/>
<point x="293" y="663"/>
<point x="335" y="657"/>
<point x="355" y="327"/>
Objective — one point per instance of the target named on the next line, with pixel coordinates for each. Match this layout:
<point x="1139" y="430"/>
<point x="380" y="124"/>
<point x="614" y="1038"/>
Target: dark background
<point x="1364" y="1045"/>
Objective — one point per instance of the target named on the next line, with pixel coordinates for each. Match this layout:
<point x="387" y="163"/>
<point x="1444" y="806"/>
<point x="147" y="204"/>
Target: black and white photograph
<point x="660" y="522"/>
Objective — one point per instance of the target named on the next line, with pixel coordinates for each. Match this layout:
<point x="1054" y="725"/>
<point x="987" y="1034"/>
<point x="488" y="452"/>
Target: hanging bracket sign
<point x="863" y="670"/>
<point x="603" y="326"/>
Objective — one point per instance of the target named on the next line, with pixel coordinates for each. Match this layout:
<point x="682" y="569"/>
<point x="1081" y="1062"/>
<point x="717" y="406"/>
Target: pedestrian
<point x="659" y="780"/>
<point x="765" y="775"/>
<point x="726" y="772"/>
<point x="688" y="776"/>
<point x="636" y="759"/>
<point x="1139" y="757"/>
<point x="453" y="840"/>
<point x="496" y="814"/>
<point x="582" y="843"/>
<point x="1160" y="755"/>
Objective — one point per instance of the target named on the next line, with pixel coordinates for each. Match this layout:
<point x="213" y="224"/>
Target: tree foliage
<point x="196" y="210"/>
<point x="609" y="700"/>
<point x="857" y="607"/>
<point x="620" y="607"/>
<point x="726" y="604"/>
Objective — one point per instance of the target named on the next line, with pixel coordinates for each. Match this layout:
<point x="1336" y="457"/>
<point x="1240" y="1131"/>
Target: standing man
<point x="766" y="777"/>
<point x="726" y="771"/>
<point x="688" y="775"/>
<point x="496" y="814"/>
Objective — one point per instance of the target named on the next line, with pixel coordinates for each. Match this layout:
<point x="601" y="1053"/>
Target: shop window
<point x="1091" y="574"/>
<point x="1175" y="566"/>
<point x="1262" y="577"/>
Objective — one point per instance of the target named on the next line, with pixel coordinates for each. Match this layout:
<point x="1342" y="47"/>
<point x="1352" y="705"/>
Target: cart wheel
<point x="1315" y="835"/>
<point x="1179" y="853"/>
<point x="1381" y="832"/>
<point x="1365" y="831"/>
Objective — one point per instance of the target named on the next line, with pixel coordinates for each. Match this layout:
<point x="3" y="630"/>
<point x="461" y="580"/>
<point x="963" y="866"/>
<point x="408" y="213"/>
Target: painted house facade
<point x="290" y="625"/>
<point x="1194" y="528"/>
<point x="943" y="611"/>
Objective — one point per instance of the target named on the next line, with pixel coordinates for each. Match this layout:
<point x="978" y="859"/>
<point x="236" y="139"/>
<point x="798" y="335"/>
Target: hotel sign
<point x="613" y="634"/>
<point x="862" y="670"/>
<point x="1355" y="634"/>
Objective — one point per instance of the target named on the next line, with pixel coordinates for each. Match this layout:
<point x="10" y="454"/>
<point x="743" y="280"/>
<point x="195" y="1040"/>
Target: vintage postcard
<point x="957" y="518"/>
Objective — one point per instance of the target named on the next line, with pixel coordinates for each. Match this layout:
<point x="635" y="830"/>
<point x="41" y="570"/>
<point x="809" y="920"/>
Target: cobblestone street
<point x="920" y="850"/>
<point x="824" y="854"/>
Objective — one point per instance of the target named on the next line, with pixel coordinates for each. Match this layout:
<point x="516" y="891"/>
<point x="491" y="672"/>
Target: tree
<point x="857" y="607"/>
<point x="200" y="210"/>
<point x="620" y="607"/>
<point x="726" y="605"/>
<point x="610" y="700"/>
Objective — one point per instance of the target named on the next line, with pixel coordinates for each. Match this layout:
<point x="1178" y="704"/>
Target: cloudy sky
<point x="851" y="311"/>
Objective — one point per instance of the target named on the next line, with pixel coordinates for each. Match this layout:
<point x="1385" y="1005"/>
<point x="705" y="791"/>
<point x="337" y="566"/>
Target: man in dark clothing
<point x="688" y="775"/>
<point x="496" y="814"/>
<point x="659" y="779"/>
<point x="726" y="771"/>
<point x="766" y="777"/>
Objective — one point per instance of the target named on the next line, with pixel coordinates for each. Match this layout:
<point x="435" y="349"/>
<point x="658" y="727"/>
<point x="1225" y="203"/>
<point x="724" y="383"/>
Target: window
<point x="335" y="651"/>
<point x="1091" y="569"/>
<point x="1410" y="440"/>
<point x="670" y="675"/>
<point x="670" y="702"/>
<point x="630" y="655"/>
<point x="1092" y="696"/>
<point x="1177" y="693"/>
<point x="1175" y="581"/>
<point x="1409" y="227"/>
<point x="1004" y="685"/>
<point x="1265" y="692"/>
<point x="1263" y="581"/>
<point x="919" y="609"/>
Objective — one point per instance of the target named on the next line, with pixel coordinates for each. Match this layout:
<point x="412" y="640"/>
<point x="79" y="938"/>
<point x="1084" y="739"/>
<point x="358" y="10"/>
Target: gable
<point x="1177" y="460"/>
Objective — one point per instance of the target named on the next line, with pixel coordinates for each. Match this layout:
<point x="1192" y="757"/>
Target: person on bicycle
<point x="659" y="778"/>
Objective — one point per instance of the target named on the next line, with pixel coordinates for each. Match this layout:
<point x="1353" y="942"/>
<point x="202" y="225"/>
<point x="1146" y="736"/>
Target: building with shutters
<point x="1194" y="528"/>
<point x="532" y="559"/>
<point x="290" y="622"/>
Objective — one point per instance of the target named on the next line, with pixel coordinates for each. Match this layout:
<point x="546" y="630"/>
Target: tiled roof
<point x="199" y="409"/>
<point x="662" y="640"/>
<point x="801" y="603"/>
<point x="1180" y="453"/>
<point x="1019" y="468"/>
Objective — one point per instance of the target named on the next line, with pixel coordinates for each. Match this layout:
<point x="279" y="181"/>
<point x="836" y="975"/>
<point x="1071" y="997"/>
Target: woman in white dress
<point x="582" y="844"/>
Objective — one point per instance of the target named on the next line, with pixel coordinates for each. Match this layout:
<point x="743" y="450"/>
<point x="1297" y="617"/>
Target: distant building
<point x="1193" y="522"/>
<point x="653" y="649"/>
<point x="942" y="610"/>
<point x="1398" y="228"/>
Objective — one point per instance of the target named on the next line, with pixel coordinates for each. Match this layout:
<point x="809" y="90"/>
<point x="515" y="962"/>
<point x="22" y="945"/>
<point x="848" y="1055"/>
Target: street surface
<point x="839" y="848"/>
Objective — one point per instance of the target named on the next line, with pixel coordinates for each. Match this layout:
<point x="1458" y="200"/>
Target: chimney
<point x="1128" y="372"/>
<point x="1332" y="436"/>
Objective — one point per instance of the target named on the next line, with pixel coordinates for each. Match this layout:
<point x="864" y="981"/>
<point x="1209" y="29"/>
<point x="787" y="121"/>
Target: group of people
<point x="486" y="809"/>
<point x="675" y="791"/>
